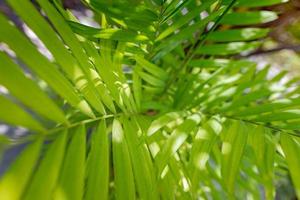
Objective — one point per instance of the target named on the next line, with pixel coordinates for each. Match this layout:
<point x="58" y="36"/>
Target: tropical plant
<point x="154" y="104"/>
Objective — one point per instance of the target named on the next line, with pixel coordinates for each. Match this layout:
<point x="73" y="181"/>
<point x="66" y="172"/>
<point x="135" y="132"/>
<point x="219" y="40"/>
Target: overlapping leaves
<point x="151" y="105"/>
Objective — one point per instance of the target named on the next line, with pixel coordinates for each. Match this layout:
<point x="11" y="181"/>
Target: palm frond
<point x="154" y="103"/>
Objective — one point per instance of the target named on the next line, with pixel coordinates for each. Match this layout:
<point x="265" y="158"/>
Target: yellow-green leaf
<point x="15" y="180"/>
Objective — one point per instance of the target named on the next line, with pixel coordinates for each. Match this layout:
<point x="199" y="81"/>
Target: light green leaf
<point x="45" y="178"/>
<point x="259" y="3"/>
<point x="264" y="108"/>
<point x="100" y="86"/>
<point x="279" y="116"/>
<point x="172" y="42"/>
<point x="13" y="114"/>
<point x="248" y="18"/>
<point x="14" y="181"/>
<point x="63" y="57"/>
<point x="98" y="165"/>
<point x="108" y="33"/>
<point x="235" y="35"/>
<point x="151" y="68"/>
<point x="263" y="144"/>
<point x="163" y="121"/>
<point x="203" y="142"/>
<point x="27" y="52"/>
<point x="77" y="50"/>
<point x="18" y="85"/>
<point x="246" y="99"/>
<point x="137" y="85"/>
<point x="141" y="161"/>
<point x="291" y="148"/>
<point x="152" y="80"/>
<point x="183" y="20"/>
<point x="124" y="181"/>
<point x="217" y="63"/>
<point x="71" y="179"/>
<point x="228" y="48"/>
<point x="235" y="140"/>
<point x="176" y="139"/>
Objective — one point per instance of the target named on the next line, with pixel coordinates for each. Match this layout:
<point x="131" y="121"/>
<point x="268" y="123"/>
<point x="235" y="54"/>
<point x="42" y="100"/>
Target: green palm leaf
<point x="153" y="103"/>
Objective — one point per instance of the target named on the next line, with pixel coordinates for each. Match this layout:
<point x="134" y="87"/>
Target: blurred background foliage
<point x="282" y="50"/>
